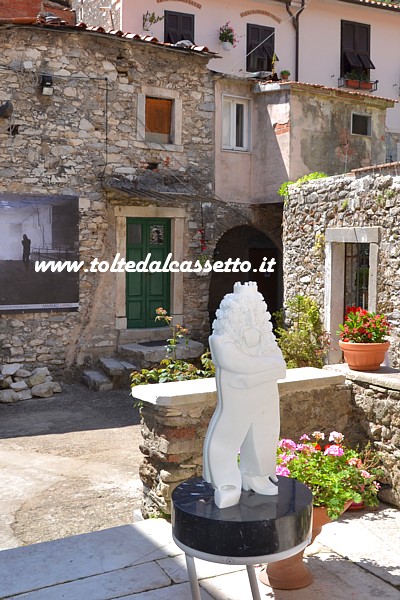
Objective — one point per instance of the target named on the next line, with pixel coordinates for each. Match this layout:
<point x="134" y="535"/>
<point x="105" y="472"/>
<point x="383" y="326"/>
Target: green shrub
<point x="304" y="342"/>
<point x="170" y="368"/>
<point x="284" y="189"/>
<point x="174" y="370"/>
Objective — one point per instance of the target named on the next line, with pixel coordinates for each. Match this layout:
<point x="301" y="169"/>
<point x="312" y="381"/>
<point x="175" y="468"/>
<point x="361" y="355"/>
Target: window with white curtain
<point x="235" y="123"/>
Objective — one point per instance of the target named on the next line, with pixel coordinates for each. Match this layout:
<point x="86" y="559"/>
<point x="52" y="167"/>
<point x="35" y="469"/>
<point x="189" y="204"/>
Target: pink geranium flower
<point x="334" y="450"/>
<point x="287" y="444"/>
<point x="366" y="474"/>
<point x="282" y="470"/>
<point x="336" y="436"/>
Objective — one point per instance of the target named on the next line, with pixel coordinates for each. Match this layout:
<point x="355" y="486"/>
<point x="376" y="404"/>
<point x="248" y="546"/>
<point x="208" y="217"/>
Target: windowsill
<point x="245" y="152"/>
<point x="158" y="146"/>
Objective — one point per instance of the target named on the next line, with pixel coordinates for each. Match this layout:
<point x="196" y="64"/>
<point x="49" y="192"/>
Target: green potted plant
<point x="285" y="74"/>
<point x="357" y="79"/>
<point x="363" y="338"/>
<point x="337" y="476"/>
<point x="150" y="19"/>
<point x="227" y="36"/>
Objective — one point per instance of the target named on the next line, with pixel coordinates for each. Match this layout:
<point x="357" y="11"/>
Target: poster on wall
<point x="38" y="228"/>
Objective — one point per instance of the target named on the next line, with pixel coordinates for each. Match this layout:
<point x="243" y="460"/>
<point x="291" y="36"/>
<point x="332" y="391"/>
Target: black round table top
<point x="257" y="526"/>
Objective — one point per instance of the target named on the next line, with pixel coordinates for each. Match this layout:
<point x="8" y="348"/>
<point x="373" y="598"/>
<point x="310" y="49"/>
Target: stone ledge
<point x="185" y="392"/>
<point x="176" y="392"/>
<point x="385" y="377"/>
<point x="308" y="378"/>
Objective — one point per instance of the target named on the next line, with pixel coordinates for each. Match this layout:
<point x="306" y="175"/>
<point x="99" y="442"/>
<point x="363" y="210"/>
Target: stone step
<point x="96" y="380"/>
<point x="114" y="367"/>
<point x="118" y="370"/>
<point x="137" y="336"/>
<point x="147" y="354"/>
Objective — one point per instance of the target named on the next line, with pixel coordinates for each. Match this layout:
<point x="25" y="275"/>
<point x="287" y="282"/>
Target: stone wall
<point x="175" y="416"/>
<point x="92" y="12"/>
<point x="340" y="203"/>
<point x="376" y="414"/>
<point x="69" y="142"/>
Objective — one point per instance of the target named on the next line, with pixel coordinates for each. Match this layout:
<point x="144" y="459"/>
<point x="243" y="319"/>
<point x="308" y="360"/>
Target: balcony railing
<point x="358" y="85"/>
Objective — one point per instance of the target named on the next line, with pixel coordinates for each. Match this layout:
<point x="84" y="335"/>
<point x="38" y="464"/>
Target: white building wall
<point x="320" y="26"/>
<point x="319" y="56"/>
<point x="210" y="16"/>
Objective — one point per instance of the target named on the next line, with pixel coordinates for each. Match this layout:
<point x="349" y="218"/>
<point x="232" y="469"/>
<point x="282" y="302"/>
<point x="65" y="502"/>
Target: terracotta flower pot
<point x="364" y="357"/>
<point x="352" y="83"/>
<point x="292" y="573"/>
<point x="366" y="85"/>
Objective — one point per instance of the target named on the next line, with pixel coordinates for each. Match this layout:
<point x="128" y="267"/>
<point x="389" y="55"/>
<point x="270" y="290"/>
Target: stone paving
<point x="69" y="464"/>
<point x="355" y="558"/>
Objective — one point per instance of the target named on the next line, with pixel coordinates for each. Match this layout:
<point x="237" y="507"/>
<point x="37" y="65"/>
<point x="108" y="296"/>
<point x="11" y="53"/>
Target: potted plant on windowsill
<point x="363" y="339"/>
<point x="358" y="80"/>
<point x="227" y="36"/>
<point x="336" y="476"/>
<point x="285" y="74"/>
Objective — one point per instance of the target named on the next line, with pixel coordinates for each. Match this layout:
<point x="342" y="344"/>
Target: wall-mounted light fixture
<point x="46" y="83"/>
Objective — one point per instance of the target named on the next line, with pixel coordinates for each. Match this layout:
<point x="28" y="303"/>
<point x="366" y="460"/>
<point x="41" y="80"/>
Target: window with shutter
<point x="355" y="50"/>
<point x="158" y="115"/>
<point x="260" y="48"/>
<point x="178" y="26"/>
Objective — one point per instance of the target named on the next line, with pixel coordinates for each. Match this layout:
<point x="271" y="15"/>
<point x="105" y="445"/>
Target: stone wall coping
<point x="385" y="377"/>
<point x="177" y="393"/>
<point x="308" y="378"/>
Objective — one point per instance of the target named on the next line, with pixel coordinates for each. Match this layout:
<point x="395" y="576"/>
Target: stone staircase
<point x="111" y="373"/>
<point x="137" y="349"/>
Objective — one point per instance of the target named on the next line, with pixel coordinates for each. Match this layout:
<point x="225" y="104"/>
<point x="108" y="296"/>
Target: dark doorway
<point x="248" y="244"/>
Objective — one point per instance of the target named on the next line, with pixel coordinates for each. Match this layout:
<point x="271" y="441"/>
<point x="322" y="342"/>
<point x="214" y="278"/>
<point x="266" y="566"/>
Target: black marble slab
<point x="257" y="526"/>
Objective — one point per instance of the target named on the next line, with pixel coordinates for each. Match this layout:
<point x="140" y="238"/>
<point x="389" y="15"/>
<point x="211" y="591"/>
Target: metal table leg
<point x="253" y="582"/>
<point x="194" y="583"/>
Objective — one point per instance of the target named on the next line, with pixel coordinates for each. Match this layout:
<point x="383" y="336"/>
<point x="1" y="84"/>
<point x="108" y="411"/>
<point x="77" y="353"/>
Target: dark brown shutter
<point x="187" y="27"/>
<point x="171" y="27"/>
<point x="178" y="26"/>
<point x="355" y="51"/>
<point x="260" y="58"/>
<point x="348" y="35"/>
<point x="158" y="115"/>
<point x="362" y="38"/>
<point x="363" y="45"/>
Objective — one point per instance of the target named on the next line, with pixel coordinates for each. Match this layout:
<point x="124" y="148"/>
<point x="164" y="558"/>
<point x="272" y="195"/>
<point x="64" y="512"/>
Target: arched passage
<point x="248" y="244"/>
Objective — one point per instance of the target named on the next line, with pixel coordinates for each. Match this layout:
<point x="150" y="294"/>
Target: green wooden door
<point x="147" y="291"/>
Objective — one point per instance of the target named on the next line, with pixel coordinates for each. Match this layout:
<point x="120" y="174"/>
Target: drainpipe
<point x="295" y="22"/>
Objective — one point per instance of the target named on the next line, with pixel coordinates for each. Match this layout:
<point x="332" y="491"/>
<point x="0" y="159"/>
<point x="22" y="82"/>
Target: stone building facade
<point x="324" y="221"/>
<point x="86" y="142"/>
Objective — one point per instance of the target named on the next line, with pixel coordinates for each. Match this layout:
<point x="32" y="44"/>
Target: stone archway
<point x="248" y="244"/>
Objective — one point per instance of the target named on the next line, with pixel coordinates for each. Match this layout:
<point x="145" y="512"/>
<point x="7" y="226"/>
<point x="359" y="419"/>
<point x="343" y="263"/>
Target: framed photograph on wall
<point x="36" y="229"/>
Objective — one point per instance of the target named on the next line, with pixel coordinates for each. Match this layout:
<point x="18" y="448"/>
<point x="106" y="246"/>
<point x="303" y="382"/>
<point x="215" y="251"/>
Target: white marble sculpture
<point x="248" y="364"/>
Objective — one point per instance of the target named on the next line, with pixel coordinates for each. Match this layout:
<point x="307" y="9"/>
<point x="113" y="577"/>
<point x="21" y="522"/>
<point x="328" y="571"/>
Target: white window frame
<point x="176" y="119"/>
<point x="234" y="101"/>
<point x="359" y="114"/>
<point x="336" y="238"/>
